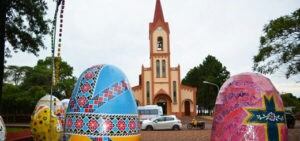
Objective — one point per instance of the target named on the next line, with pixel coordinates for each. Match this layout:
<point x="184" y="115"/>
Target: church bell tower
<point x="159" y="45"/>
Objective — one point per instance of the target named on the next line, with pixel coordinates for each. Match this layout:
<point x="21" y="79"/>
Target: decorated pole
<point x="59" y="45"/>
<point x="53" y="55"/>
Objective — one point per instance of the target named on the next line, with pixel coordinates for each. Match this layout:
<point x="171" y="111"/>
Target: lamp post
<point x="206" y="82"/>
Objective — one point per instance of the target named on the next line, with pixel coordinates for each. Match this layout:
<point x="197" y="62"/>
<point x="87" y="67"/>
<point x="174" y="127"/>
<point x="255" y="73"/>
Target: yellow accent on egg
<point x="40" y="125"/>
<point x="126" y="138"/>
<point x="79" y="138"/>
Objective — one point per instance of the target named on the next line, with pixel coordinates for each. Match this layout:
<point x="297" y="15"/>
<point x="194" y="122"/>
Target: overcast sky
<point x="116" y="32"/>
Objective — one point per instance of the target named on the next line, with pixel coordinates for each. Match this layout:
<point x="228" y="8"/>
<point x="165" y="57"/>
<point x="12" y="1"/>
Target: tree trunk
<point x="3" y="8"/>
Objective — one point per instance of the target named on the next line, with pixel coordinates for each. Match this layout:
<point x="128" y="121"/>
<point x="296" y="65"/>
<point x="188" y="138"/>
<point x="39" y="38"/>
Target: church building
<point x="160" y="84"/>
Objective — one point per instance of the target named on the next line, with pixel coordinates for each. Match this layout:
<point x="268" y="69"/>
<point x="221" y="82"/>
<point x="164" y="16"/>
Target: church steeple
<point x="159" y="45"/>
<point x="158" y="15"/>
<point x="158" y="19"/>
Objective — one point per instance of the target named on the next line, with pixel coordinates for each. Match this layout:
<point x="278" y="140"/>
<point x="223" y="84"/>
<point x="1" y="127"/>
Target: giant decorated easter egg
<point x="65" y="103"/>
<point x="2" y="130"/>
<point x="249" y="108"/>
<point x="56" y="104"/>
<point x="45" y="126"/>
<point x="102" y="107"/>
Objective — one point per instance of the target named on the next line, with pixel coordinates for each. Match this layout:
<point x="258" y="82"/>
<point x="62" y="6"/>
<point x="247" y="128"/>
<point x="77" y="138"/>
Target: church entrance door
<point x="164" y="106"/>
<point x="164" y="101"/>
<point x="187" y="108"/>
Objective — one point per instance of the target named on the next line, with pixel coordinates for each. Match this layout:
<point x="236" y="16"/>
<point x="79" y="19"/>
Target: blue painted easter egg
<point x="102" y="107"/>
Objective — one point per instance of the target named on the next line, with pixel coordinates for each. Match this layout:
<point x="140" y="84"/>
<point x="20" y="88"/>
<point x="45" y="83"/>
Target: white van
<point x="149" y="111"/>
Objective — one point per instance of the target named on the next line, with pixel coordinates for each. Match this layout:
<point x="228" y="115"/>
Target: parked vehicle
<point x="149" y="111"/>
<point x="162" y="123"/>
<point x="196" y="124"/>
<point x="290" y="120"/>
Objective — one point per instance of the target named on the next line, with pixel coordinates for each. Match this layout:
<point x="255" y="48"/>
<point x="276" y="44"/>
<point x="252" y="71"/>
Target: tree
<point x="289" y="100"/>
<point x="280" y="46"/>
<point x="35" y="82"/>
<point x="15" y="74"/>
<point x="41" y="75"/>
<point x="22" y="27"/>
<point x="17" y="101"/>
<point x="210" y="70"/>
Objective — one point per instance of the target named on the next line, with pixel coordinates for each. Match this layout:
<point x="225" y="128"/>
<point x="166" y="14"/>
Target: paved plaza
<point x="200" y="135"/>
<point x="186" y="135"/>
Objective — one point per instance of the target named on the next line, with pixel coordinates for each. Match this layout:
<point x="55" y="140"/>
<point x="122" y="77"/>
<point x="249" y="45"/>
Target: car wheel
<point x="176" y="127"/>
<point x="149" y="128"/>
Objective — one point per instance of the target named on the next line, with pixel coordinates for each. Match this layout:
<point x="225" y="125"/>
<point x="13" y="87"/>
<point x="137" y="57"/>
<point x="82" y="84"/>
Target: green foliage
<point x="41" y="75"/>
<point x="280" y="46"/>
<point x="15" y="74"/>
<point x="34" y="83"/>
<point x="22" y="28"/>
<point x="210" y="70"/>
<point x="25" y="25"/>
<point x="10" y="93"/>
<point x="289" y="100"/>
<point x="67" y="85"/>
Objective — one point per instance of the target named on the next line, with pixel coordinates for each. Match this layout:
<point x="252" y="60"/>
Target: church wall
<point x="164" y="86"/>
<point x="187" y="94"/>
<point x="138" y="94"/>
<point x="174" y="77"/>
<point x="175" y="107"/>
<point x="147" y="77"/>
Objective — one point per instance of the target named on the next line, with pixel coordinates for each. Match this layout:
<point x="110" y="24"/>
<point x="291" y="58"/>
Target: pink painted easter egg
<point x="249" y="108"/>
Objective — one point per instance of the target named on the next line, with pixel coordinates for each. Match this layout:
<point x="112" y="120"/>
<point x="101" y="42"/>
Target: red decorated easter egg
<point x="249" y="108"/>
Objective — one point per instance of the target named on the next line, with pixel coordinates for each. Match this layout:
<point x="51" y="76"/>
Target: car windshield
<point x="157" y="119"/>
<point x="152" y="119"/>
<point x="160" y="119"/>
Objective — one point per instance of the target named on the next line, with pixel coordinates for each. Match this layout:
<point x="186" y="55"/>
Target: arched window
<point x="157" y="68"/>
<point x="163" y="68"/>
<point x="174" y="91"/>
<point x="159" y="43"/>
<point x="148" y="92"/>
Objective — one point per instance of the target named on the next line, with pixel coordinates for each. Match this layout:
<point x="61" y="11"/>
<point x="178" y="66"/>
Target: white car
<point x="162" y="123"/>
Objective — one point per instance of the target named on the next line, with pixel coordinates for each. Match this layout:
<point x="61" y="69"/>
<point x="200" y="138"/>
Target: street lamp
<point x="206" y="82"/>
